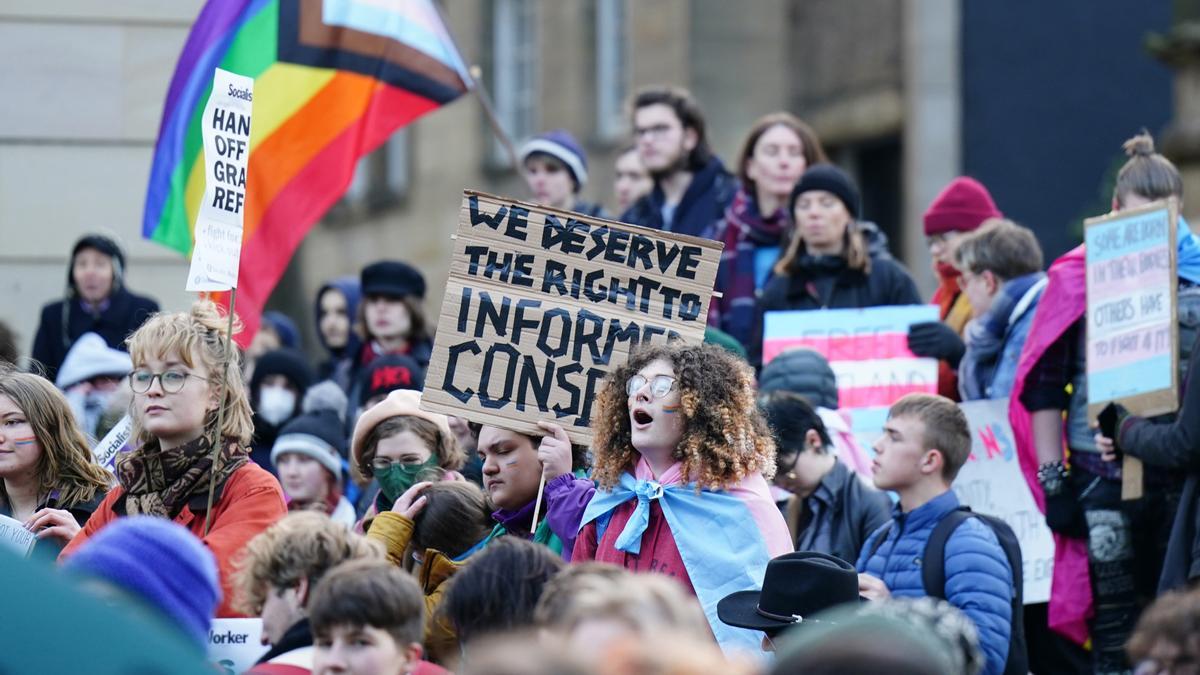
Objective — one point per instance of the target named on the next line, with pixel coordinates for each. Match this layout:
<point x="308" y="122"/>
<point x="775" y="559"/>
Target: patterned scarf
<point x="744" y="232"/>
<point x="161" y="482"/>
<point x="985" y="338"/>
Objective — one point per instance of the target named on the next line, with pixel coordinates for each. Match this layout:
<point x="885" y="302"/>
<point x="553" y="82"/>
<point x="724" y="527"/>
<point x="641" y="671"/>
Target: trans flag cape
<point x="1063" y="303"/>
<point x="725" y="537"/>
<point x="332" y="80"/>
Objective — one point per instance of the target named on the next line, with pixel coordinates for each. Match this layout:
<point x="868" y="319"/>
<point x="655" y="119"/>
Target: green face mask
<point x="397" y="478"/>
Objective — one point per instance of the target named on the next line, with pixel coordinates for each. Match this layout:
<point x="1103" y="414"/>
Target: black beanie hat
<point x="390" y="372"/>
<point x="392" y="278"/>
<point x="286" y="362"/>
<point x="833" y="180"/>
<point x="103" y="244"/>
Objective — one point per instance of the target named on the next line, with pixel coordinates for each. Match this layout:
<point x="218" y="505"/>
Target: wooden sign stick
<point x="1131" y="478"/>
<point x="537" y="503"/>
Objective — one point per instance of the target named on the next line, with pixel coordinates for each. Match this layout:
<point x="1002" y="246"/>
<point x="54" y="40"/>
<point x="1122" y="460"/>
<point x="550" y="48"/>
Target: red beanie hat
<point x="962" y="206"/>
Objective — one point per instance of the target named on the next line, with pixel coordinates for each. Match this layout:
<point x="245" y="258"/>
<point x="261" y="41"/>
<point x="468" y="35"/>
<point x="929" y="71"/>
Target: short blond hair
<point x="198" y="335"/>
<point x="302" y="545"/>
<point x="946" y="428"/>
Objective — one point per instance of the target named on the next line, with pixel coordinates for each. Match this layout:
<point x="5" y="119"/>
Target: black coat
<point x="126" y="312"/>
<point x="700" y="209"/>
<point x="1174" y="446"/>
<point x="826" y="282"/>
<point x="857" y="512"/>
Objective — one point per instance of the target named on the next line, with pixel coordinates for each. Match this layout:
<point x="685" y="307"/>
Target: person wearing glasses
<point x="832" y="509"/>
<point x="682" y="458"/>
<point x="177" y="387"/>
<point x="1001" y="276"/>
<point x="692" y="188"/>
<point x="48" y="478"/>
<point x="397" y="445"/>
<point x="961" y="207"/>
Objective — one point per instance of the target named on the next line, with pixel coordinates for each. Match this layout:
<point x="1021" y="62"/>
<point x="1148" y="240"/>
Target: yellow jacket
<point x="395" y="532"/>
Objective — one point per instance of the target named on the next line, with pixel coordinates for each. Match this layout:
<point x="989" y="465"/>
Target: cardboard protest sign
<point x="542" y="303"/>
<point x="14" y="536"/>
<point x="867" y="349"/>
<point x="1132" y="327"/>
<point x="234" y="645"/>
<point x="114" y="443"/>
<point x="225" y="129"/>
<point x="991" y="482"/>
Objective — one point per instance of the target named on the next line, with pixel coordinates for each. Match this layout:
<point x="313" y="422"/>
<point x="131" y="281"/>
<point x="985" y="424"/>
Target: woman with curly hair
<point x="48" y="478"/>
<point x="680" y="457"/>
<point x="177" y="391"/>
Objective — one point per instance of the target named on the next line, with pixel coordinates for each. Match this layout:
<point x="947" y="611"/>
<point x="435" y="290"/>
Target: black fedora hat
<point x="795" y="586"/>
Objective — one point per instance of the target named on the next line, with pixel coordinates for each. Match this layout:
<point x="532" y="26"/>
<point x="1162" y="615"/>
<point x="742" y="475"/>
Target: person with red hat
<point x="961" y="207"/>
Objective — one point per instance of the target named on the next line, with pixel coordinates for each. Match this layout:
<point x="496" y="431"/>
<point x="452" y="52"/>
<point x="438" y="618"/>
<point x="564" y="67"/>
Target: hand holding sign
<point x="554" y="452"/>
<point x="53" y="523"/>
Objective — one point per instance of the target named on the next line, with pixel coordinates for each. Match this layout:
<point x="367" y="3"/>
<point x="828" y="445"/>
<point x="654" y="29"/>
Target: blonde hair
<point x="66" y="463"/>
<point x="198" y="335"/>
<point x="302" y="545"/>
<point x="725" y="437"/>
<point x="645" y="603"/>
<point x="1146" y="173"/>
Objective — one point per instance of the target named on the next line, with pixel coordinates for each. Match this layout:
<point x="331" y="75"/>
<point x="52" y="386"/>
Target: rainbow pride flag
<point x="333" y="79"/>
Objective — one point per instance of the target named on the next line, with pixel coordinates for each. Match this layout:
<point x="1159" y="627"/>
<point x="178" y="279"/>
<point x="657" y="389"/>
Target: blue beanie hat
<point x="284" y="327"/>
<point x="159" y="562"/>
<point x="562" y="146"/>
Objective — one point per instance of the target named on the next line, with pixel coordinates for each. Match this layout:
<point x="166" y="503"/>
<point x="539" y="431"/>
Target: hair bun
<point x="208" y="314"/>
<point x="1141" y="145"/>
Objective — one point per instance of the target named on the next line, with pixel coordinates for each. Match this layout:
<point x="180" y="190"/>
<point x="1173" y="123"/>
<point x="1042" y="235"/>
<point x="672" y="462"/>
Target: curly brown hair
<point x="725" y="437"/>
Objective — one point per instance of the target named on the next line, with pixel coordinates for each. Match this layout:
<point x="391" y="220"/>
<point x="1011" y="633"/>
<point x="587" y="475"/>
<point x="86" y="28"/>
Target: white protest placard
<point x="991" y="482"/>
<point x="541" y="303"/>
<point x="225" y="128"/>
<point x="235" y="645"/>
<point x="866" y="348"/>
<point x="114" y="443"/>
<point x="14" y="536"/>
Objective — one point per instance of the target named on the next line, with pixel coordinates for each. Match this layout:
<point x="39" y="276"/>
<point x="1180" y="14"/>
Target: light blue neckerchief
<point x="1188" y="247"/>
<point x="717" y="537"/>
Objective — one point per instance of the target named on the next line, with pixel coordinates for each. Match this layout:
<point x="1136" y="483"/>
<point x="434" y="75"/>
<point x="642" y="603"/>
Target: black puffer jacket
<point x="804" y="372"/>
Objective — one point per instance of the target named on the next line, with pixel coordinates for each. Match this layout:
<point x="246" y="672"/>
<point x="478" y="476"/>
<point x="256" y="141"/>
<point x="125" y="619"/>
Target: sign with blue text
<point x="541" y="303"/>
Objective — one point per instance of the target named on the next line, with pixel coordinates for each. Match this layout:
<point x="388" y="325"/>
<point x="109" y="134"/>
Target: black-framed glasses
<point x="660" y="385"/>
<point x="171" y="381"/>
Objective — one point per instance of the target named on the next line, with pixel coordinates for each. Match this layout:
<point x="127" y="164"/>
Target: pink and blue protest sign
<point x="867" y="349"/>
<point x="1132" y="329"/>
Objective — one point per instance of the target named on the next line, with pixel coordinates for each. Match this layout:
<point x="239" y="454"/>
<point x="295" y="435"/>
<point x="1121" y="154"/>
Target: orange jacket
<point x="249" y="502"/>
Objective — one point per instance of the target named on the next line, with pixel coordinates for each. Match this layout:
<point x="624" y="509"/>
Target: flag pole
<point x="485" y="101"/>
<point x="218" y="441"/>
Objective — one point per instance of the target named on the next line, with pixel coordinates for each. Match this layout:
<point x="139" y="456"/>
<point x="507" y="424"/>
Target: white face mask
<point x="275" y="404"/>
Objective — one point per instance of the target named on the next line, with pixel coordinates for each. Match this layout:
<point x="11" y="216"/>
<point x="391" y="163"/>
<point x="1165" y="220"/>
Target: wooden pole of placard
<point x="537" y="503"/>
<point x="217" y="441"/>
<point x="1132" y="486"/>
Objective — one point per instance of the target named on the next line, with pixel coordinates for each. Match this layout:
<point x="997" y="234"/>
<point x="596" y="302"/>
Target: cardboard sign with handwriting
<point x="541" y="303"/>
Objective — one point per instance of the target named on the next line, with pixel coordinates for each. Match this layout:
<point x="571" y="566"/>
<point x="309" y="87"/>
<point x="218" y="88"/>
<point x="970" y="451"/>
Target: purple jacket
<point x="566" y="497"/>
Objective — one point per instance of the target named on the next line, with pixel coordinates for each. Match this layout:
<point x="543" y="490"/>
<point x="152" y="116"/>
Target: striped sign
<point x="867" y="349"/>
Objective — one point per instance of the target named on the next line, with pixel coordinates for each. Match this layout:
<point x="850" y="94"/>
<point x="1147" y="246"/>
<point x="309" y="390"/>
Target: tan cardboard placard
<point x="1132" y="320"/>
<point x="541" y="303"/>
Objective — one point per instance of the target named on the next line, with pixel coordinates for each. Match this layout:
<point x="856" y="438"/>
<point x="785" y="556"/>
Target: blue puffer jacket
<point x="978" y="577"/>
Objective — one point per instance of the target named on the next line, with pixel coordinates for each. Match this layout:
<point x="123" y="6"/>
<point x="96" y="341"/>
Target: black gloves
<point x="1064" y="514"/>
<point x="1109" y="420"/>
<point x="937" y="340"/>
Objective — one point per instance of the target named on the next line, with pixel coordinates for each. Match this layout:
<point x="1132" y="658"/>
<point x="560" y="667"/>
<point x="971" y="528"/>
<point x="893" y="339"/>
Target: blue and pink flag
<point x="867" y="349"/>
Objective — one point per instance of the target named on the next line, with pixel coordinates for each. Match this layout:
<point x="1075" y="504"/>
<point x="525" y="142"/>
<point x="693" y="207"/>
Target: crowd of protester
<point x="723" y="520"/>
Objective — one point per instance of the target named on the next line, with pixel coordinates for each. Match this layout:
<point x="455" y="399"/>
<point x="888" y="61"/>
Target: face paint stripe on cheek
<point x="671" y="409"/>
<point x="29" y="440"/>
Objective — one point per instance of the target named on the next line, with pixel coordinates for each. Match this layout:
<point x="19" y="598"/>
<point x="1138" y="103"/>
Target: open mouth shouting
<point x="641" y="418"/>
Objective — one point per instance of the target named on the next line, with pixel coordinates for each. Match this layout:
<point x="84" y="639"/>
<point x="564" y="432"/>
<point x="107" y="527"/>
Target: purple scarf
<point x="743" y="232"/>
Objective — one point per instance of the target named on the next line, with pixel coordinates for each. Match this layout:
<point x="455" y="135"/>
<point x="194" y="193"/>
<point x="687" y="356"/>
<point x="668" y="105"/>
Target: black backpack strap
<point x="933" y="563"/>
<point x="883" y="534"/>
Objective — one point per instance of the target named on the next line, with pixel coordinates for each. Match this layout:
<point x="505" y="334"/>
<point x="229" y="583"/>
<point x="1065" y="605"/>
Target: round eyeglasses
<point x="171" y="381"/>
<point x="660" y="385"/>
